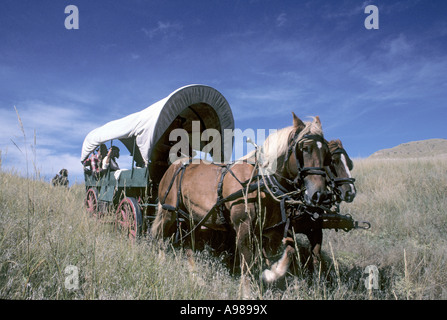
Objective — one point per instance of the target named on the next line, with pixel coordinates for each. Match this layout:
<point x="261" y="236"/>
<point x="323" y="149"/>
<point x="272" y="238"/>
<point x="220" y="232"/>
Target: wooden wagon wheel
<point x="91" y="202"/>
<point x="128" y="217"/>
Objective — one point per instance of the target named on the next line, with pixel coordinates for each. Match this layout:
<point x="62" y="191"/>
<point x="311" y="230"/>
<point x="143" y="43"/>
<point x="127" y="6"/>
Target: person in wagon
<point x="102" y="153"/>
<point x="61" y="179"/>
<point x="110" y="160"/>
<point x="93" y="165"/>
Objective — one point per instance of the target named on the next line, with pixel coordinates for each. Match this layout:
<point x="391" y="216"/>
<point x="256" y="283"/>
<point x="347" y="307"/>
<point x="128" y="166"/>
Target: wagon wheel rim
<point x="126" y="220"/>
<point x="91" y="203"/>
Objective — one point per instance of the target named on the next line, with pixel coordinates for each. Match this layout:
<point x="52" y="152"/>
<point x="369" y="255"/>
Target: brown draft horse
<point x="339" y="172"/>
<point x="296" y="154"/>
<point x="341" y="185"/>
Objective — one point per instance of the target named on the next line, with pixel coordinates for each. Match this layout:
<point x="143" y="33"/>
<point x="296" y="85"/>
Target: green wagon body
<point x="128" y="182"/>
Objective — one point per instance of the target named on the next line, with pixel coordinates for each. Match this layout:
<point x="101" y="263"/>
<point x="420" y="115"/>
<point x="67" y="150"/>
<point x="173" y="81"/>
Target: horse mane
<point x="334" y="145"/>
<point x="275" y="147"/>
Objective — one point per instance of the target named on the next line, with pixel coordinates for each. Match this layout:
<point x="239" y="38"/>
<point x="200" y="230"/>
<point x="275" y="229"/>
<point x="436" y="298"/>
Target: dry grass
<point x="405" y="202"/>
<point x="60" y="233"/>
<point x="44" y="229"/>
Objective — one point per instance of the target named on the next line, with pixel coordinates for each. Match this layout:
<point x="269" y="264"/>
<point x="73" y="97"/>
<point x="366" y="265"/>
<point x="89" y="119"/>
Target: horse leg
<point x="242" y="224"/>
<point x="242" y="219"/>
<point x="243" y="246"/>
<point x="315" y="236"/>
<point x="279" y="268"/>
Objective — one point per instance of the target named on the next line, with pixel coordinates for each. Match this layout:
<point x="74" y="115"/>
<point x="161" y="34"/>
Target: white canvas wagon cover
<point x="146" y="127"/>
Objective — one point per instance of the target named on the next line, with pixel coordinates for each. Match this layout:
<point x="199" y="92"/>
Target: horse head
<point x="296" y="156"/>
<point x="339" y="172"/>
<point x="309" y="155"/>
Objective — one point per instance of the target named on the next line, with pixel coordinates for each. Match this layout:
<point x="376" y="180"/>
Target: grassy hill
<point x="44" y="230"/>
<point x="414" y="149"/>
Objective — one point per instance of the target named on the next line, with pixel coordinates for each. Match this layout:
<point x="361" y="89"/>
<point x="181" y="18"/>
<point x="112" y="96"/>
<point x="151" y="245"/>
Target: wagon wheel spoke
<point x="127" y="220"/>
<point x="132" y="232"/>
<point x="91" y="202"/>
<point x="122" y="216"/>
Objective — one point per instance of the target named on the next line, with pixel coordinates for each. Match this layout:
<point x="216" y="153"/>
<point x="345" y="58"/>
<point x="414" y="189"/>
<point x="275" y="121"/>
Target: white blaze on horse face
<point x="319" y="145"/>
<point x="343" y="160"/>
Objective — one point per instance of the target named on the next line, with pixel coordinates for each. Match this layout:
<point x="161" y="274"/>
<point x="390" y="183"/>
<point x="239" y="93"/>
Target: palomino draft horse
<point x="206" y="195"/>
<point x="307" y="219"/>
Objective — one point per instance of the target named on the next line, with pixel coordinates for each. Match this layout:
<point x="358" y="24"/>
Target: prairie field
<point x="45" y="234"/>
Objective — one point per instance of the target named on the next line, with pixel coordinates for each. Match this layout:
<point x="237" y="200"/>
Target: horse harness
<point x="220" y="202"/>
<point x="260" y="181"/>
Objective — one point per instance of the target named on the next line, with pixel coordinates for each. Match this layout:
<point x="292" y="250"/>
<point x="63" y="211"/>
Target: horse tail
<point x="156" y="228"/>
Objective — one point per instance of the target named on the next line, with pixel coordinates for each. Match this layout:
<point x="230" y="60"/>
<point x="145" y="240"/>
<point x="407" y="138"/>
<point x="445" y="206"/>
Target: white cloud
<point x="281" y="20"/>
<point x="80" y="96"/>
<point x="164" y="29"/>
<point x="54" y="125"/>
<point x="337" y="10"/>
<point x="51" y="138"/>
<point x="396" y="46"/>
<point x="265" y="94"/>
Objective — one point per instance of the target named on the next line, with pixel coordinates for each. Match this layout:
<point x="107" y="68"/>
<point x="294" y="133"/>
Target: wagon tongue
<point x="345" y="222"/>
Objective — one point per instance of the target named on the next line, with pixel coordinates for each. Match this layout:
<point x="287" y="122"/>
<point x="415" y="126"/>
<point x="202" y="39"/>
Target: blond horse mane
<point x="272" y="153"/>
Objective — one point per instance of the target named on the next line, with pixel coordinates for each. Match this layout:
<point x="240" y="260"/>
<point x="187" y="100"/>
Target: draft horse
<point x="307" y="219"/>
<point x="339" y="173"/>
<point x="241" y="202"/>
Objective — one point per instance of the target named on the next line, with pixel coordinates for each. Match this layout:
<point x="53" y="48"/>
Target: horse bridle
<point x="279" y="190"/>
<point x="332" y="175"/>
<point x="303" y="171"/>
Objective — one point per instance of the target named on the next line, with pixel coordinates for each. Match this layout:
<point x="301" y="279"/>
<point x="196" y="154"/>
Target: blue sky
<point x="373" y="89"/>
